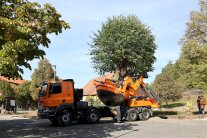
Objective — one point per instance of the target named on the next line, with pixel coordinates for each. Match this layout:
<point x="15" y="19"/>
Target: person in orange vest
<point x="202" y="104"/>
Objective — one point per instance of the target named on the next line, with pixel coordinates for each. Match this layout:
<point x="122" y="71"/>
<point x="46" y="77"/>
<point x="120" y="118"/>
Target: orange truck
<point x="62" y="104"/>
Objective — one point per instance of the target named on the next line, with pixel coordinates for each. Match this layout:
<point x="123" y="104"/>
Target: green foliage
<point x="23" y="91"/>
<point x="192" y="63"/>
<point x="197" y="26"/>
<point x="24" y="94"/>
<point x="6" y="90"/>
<point x="24" y="27"/>
<point x="124" y="44"/>
<point x="195" y="56"/>
<point x="44" y="72"/>
<point x="165" y="85"/>
<point x="173" y="105"/>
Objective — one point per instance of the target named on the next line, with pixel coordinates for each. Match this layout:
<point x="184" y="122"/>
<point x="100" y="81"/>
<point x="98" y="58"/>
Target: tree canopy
<point x="44" y="72"/>
<point x="194" y="49"/>
<point x="5" y="90"/>
<point x="24" y="27"/>
<point x="197" y="26"/>
<point x="166" y="86"/>
<point x="24" y="94"/>
<point x="125" y="44"/>
<point x="190" y="70"/>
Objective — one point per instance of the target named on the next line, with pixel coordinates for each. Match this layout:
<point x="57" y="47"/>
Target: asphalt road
<point x="153" y="128"/>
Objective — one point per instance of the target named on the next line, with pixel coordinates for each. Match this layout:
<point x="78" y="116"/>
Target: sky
<point x="69" y="51"/>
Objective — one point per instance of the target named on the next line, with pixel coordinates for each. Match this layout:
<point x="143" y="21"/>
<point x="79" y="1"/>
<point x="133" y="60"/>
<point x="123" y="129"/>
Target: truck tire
<point x="64" y="118"/>
<point x="145" y="114"/>
<point x="93" y="116"/>
<point x="132" y="115"/>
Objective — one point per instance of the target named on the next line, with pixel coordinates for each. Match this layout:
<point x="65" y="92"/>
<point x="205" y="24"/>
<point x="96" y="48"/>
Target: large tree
<point x="193" y="60"/>
<point x="24" y="95"/>
<point x="5" y="90"/>
<point x="24" y="27"/>
<point x="125" y="44"/>
<point x="44" y="72"/>
<point x="165" y="85"/>
<point x="193" y="65"/>
<point x="197" y="26"/>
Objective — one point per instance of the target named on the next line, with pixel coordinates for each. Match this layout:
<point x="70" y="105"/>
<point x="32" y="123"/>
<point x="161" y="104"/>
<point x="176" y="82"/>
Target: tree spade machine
<point x="130" y="97"/>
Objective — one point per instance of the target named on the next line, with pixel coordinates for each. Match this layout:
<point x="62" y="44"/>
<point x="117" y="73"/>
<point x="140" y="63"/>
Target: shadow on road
<point x="43" y="128"/>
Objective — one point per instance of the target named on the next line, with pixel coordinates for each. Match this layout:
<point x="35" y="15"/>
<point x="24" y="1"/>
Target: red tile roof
<point x="90" y="89"/>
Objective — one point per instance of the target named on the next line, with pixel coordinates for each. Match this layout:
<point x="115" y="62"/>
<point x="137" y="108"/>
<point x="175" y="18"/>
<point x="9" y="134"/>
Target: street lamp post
<point x="54" y="71"/>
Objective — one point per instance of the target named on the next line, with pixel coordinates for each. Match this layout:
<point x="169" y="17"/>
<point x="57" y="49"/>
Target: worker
<point x="199" y="105"/>
<point x="202" y="104"/>
<point x="189" y="105"/>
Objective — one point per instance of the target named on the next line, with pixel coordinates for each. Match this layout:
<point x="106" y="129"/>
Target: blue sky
<point x="69" y="50"/>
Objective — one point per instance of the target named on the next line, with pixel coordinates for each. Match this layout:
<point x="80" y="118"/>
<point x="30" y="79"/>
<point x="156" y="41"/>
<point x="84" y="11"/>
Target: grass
<point x="196" y="112"/>
<point x="177" y="109"/>
<point x="172" y="105"/>
<point x="164" y="113"/>
<point x="182" y="102"/>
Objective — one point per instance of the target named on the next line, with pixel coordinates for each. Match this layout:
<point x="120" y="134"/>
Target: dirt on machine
<point x="129" y="99"/>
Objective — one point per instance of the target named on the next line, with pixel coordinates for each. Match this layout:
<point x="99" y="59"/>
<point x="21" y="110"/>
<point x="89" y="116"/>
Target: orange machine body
<point x="126" y="93"/>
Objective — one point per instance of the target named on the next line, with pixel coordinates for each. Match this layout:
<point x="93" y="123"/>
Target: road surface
<point x="153" y="128"/>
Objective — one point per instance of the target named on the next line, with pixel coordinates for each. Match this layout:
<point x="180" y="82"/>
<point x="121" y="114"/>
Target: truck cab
<point x="53" y="94"/>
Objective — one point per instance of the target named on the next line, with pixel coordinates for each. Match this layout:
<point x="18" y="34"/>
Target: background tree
<point x="165" y="85"/>
<point x="197" y="26"/>
<point x="44" y="72"/>
<point x="5" y="90"/>
<point x="193" y="65"/>
<point x="24" y="95"/>
<point x="24" y="27"/>
<point x="124" y="44"/>
<point x="193" y="60"/>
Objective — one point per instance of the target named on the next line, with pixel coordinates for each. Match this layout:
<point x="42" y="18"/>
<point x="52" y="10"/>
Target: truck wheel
<point x="93" y="116"/>
<point x="132" y="115"/>
<point x="145" y="114"/>
<point x="64" y="118"/>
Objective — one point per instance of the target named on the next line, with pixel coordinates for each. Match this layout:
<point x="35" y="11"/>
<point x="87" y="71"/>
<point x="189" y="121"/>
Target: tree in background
<point x="24" y="27"/>
<point x="24" y="95"/>
<point x="193" y="65"/>
<point x="44" y="72"/>
<point x="197" y="26"/>
<point x="193" y="60"/>
<point x="5" y="90"/>
<point x="124" y="44"/>
<point x="165" y="85"/>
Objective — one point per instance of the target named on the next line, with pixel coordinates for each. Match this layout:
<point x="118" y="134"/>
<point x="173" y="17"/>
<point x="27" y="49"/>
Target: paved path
<point x="154" y="128"/>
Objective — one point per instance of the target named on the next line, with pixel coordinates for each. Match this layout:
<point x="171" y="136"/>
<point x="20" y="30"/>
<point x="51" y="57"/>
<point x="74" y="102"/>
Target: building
<point x="89" y="90"/>
<point x="12" y="81"/>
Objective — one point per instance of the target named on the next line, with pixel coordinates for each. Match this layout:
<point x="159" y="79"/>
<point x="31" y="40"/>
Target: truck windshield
<point x="43" y="90"/>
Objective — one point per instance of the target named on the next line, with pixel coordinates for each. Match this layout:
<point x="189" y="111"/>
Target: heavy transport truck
<point x="62" y="104"/>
